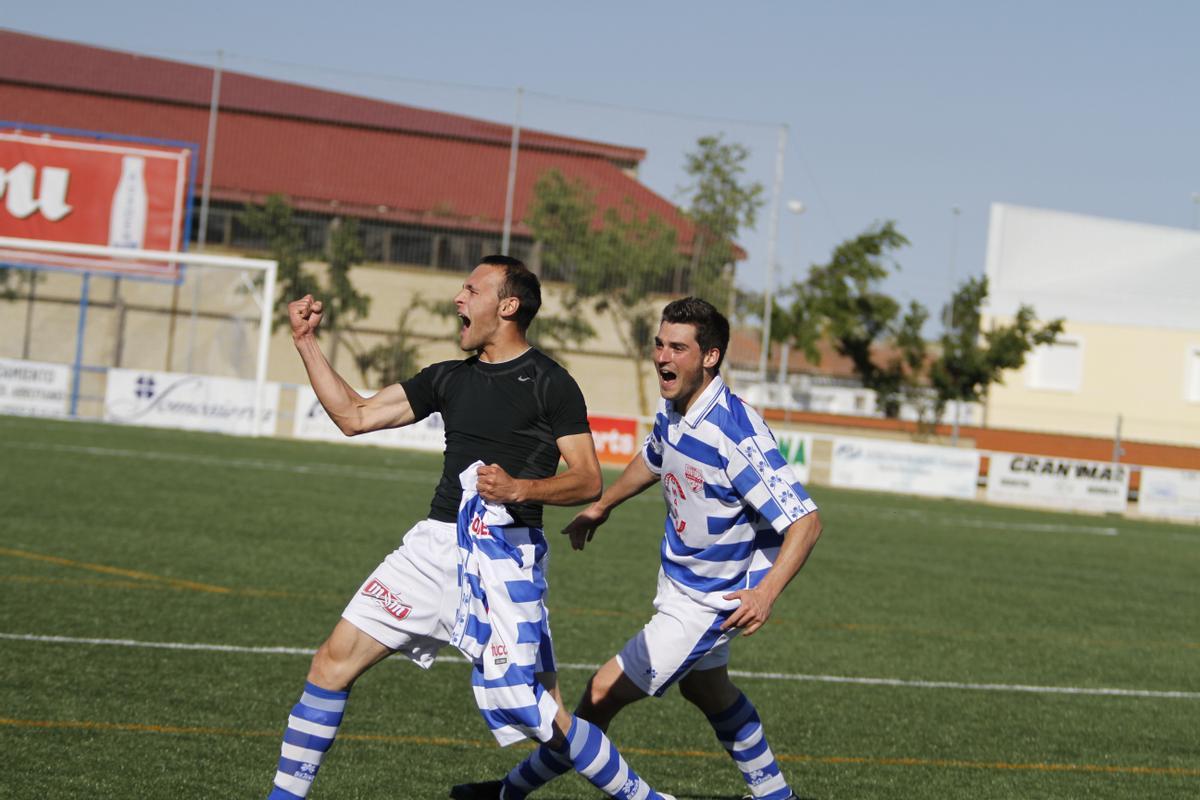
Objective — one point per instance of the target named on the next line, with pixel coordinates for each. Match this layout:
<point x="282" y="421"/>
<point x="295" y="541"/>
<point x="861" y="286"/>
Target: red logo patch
<point x="478" y="528"/>
<point x="694" y="478"/>
<point x="386" y="599"/>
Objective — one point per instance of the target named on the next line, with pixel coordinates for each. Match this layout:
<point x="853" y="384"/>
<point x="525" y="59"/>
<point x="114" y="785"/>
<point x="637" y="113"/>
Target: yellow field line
<point x="152" y="586"/>
<point x="442" y="741"/>
<point x="107" y="570"/>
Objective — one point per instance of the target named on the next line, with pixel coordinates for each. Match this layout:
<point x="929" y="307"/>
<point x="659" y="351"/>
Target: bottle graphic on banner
<point x="127" y="225"/>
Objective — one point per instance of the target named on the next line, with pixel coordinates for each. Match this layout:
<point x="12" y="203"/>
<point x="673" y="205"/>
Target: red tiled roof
<point x="37" y="61"/>
<point x="319" y="148"/>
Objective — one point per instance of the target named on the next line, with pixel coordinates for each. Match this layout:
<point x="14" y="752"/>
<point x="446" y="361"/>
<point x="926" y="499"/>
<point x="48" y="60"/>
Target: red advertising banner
<point x="93" y="191"/>
<point x="616" y="438"/>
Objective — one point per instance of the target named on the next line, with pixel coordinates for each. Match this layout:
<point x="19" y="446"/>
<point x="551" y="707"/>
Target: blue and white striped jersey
<point x="730" y="495"/>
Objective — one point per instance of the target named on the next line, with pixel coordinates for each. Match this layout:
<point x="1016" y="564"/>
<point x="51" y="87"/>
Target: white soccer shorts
<point x="683" y="635"/>
<point x="408" y="604"/>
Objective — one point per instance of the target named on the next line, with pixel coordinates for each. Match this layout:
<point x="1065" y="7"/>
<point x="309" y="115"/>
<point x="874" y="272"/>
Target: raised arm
<point x="578" y="483"/>
<point x="350" y="411"/>
<point x="635" y="479"/>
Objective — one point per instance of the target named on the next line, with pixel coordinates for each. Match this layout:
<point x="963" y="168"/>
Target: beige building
<point x="1130" y="296"/>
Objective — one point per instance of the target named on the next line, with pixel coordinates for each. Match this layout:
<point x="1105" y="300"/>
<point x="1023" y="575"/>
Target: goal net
<point x="136" y="336"/>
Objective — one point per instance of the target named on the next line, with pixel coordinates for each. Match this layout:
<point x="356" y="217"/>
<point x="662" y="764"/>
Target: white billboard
<point x="1059" y="483"/>
<point x="906" y="468"/>
<point x="189" y="402"/>
<point x="1170" y="493"/>
<point x="34" y="388"/>
<point x="796" y="449"/>
<point x="311" y="422"/>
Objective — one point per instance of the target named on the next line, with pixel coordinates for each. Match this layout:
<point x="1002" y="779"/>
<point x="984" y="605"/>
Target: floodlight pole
<point x="772" y="242"/>
<point x="210" y="147"/>
<point x="513" y="150"/>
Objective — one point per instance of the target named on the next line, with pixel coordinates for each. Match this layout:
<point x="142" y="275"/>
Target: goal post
<point x="157" y="266"/>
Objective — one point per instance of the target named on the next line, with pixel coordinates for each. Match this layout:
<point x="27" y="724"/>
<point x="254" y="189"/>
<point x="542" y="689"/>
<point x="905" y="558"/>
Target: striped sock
<point x="542" y="766"/>
<point x="311" y="728"/>
<point x="740" y="731"/>
<point x="596" y="758"/>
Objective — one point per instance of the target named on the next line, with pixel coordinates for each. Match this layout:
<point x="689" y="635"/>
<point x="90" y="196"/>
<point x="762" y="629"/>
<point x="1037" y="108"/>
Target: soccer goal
<point x="153" y="337"/>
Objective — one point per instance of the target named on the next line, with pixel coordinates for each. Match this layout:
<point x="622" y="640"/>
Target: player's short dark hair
<point x="520" y="283"/>
<point x="712" y="329"/>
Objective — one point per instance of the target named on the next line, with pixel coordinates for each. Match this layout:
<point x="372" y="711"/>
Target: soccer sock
<point x="311" y="728"/>
<point x="596" y="758"/>
<point x="542" y="766"/>
<point x="740" y="731"/>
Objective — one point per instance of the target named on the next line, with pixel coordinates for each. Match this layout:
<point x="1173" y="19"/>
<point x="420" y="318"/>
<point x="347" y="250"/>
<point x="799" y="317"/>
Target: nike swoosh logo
<point x="524" y="378"/>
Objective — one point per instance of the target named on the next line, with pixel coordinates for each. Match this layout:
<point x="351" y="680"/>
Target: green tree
<point x="841" y="301"/>
<point x="612" y="268"/>
<point x="721" y="204"/>
<point x="396" y="357"/>
<point x="275" y="222"/>
<point x="973" y="359"/>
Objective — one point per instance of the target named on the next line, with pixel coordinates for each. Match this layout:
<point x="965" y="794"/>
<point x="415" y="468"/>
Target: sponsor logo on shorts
<point x="499" y="654"/>
<point x="388" y="601"/>
<point x="695" y="478"/>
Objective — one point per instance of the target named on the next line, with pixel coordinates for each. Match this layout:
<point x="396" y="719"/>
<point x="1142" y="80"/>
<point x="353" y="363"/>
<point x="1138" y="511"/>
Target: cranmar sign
<point x="1060" y="483"/>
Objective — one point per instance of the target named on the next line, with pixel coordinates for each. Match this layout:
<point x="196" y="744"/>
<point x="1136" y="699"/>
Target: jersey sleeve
<point x="422" y="391"/>
<point x="566" y="409"/>
<point x="652" y="449"/>
<point x="762" y="478"/>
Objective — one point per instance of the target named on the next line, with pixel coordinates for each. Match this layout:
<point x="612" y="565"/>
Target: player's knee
<point x="331" y="669"/>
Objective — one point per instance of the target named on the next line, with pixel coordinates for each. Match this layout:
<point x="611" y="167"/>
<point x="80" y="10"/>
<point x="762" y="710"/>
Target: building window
<point x="1056" y="367"/>
<point x="1191" y="375"/>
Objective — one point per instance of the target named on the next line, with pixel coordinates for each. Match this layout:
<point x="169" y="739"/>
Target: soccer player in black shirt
<point x="516" y="410"/>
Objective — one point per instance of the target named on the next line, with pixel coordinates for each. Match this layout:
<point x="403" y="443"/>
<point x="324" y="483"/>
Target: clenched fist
<point x="305" y="316"/>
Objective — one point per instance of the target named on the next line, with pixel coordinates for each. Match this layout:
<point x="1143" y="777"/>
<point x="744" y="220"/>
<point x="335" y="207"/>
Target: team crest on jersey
<point x="695" y="479"/>
<point x="674" y="492"/>
<point x="388" y="601"/>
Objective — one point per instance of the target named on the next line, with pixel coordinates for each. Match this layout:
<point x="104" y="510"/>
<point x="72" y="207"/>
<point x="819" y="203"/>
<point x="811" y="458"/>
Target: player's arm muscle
<point x="579" y="483"/>
<point x="350" y="411"/>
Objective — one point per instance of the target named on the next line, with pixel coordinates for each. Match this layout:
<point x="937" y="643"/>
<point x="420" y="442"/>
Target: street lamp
<point x="797" y="208"/>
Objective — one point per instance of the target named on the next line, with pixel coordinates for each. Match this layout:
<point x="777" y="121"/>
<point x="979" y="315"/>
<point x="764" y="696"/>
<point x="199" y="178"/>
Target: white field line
<point x="765" y="676"/>
<point x="315" y="468"/>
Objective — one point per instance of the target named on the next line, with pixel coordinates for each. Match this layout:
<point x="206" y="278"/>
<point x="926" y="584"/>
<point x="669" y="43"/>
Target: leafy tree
<point x="396" y="357"/>
<point x="973" y="359"/>
<point x="275" y="222"/>
<point x="841" y="301"/>
<point x="612" y="268"/>
<point x="721" y="204"/>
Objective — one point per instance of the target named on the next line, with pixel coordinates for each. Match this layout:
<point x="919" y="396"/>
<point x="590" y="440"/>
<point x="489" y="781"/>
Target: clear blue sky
<point x="896" y="110"/>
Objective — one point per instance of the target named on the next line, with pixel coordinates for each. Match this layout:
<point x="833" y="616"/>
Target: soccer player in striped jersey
<point x="516" y="410"/>
<point x="738" y="529"/>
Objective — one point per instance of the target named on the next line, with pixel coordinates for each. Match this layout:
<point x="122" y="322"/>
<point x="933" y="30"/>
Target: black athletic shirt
<point x="508" y="414"/>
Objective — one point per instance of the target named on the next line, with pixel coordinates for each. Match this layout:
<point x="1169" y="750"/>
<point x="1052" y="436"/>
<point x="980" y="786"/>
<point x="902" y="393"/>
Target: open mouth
<point x="466" y="321"/>
<point x="666" y="377"/>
